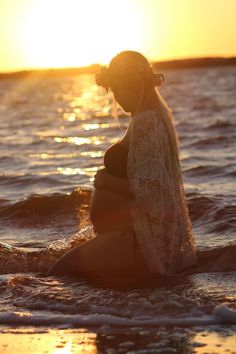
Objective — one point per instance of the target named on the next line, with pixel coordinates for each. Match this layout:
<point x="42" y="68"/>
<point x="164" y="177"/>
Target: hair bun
<point x="102" y="78"/>
<point x="159" y="79"/>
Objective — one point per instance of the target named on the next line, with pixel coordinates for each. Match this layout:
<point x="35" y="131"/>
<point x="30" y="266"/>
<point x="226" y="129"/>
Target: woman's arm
<point x="119" y="185"/>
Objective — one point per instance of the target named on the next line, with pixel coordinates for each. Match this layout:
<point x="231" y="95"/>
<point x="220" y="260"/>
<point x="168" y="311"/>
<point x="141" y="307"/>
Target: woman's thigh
<point x="111" y="251"/>
<point x="108" y="252"/>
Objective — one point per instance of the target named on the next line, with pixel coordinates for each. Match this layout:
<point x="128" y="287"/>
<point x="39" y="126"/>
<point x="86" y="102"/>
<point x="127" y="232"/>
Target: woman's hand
<point x="119" y="185"/>
<point x="101" y="179"/>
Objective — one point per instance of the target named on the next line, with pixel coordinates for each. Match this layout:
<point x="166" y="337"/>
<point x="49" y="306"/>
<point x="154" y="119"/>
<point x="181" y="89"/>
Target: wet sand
<point x="213" y="339"/>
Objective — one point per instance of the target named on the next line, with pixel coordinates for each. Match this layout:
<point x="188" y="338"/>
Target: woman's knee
<point x="67" y="264"/>
<point x="84" y="258"/>
<point x="102" y="254"/>
<point x="108" y="253"/>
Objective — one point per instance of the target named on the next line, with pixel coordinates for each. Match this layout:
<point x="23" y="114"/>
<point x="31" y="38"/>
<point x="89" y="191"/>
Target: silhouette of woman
<point x="138" y="207"/>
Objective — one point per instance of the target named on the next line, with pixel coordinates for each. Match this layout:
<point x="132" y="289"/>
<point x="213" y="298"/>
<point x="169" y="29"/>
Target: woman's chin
<point x="127" y="109"/>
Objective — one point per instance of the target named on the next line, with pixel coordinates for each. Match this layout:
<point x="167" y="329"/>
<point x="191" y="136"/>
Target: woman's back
<point x="160" y="215"/>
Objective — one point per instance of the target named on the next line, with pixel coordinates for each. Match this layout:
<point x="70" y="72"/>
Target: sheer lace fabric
<point x="159" y="210"/>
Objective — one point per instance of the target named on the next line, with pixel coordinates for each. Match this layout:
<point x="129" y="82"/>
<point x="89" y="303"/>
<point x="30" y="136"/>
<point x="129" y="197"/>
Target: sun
<point x="66" y="33"/>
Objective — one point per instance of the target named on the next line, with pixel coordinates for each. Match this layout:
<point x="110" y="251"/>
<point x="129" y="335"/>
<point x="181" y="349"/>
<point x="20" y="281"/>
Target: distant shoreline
<point x="160" y="65"/>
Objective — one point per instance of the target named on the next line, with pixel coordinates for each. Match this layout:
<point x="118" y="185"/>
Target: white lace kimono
<point x="159" y="212"/>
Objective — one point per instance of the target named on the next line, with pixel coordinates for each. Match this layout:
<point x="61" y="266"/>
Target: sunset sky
<point x="64" y="33"/>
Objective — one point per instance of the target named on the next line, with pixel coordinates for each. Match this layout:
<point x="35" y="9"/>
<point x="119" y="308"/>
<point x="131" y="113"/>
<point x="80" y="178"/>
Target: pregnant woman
<point x="138" y="207"/>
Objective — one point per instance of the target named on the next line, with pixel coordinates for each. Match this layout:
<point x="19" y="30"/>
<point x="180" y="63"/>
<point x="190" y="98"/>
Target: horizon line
<point x="97" y="65"/>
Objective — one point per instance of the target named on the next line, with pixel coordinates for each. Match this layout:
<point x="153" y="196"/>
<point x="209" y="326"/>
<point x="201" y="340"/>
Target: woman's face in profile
<point x="127" y="94"/>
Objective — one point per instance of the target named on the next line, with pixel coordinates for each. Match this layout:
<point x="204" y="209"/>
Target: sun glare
<point x="72" y="33"/>
<point x="78" y="32"/>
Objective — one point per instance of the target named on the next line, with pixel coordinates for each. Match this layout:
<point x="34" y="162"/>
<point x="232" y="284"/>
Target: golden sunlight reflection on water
<point x="89" y="171"/>
<point x="73" y="140"/>
<point x="92" y="153"/>
<point x="80" y="140"/>
<point x="97" y="126"/>
<point x="71" y="117"/>
<point x="54" y="156"/>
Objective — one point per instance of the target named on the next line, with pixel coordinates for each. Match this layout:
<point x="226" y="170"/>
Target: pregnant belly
<point x="109" y="211"/>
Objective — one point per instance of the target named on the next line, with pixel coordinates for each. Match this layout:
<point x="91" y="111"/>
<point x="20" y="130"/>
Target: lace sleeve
<point x="162" y="229"/>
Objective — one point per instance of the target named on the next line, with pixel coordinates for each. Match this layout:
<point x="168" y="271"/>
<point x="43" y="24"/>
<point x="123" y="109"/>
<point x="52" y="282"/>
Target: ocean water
<point x="54" y="132"/>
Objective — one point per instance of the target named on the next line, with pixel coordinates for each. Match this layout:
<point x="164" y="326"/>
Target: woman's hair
<point x="169" y="121"/>
<point x="132" y="66"/>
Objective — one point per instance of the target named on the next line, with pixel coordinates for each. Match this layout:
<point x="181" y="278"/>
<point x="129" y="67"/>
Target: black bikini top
<point x="115" y="160"/>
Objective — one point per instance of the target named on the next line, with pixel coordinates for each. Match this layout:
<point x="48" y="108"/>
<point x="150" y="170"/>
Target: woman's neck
<point x="151" y="103"/>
